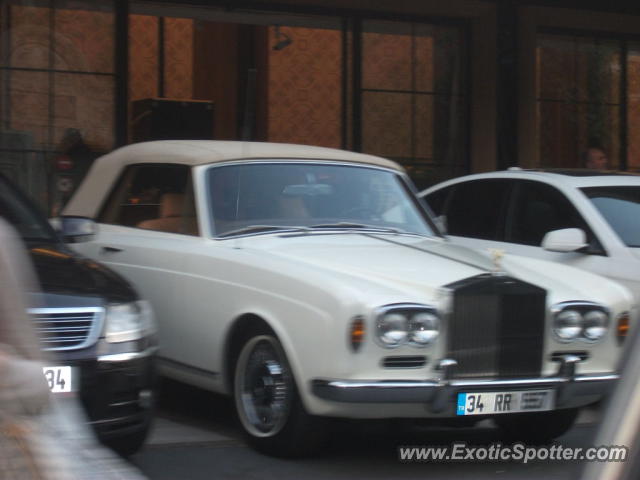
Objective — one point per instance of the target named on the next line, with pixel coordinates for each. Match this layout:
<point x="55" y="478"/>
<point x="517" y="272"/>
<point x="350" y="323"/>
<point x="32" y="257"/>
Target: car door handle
<point x="111" y="250"/>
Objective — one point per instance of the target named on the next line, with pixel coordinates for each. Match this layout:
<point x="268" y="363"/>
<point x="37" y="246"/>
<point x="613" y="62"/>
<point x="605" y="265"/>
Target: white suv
<point x="583" y="218"/>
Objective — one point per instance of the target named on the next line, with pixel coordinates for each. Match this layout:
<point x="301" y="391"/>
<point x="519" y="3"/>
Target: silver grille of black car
<point x="497" y="327"/>
<point x="67" y="328"/>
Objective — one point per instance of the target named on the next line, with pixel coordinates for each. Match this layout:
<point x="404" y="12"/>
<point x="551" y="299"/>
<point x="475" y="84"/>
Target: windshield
<point x="23" y="217"/>
<point x="311" y="195"/>
<point x="620" y="206"/>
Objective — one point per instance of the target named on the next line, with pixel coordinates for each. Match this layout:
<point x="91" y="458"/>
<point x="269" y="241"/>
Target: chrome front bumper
<point x="438" y="394"/>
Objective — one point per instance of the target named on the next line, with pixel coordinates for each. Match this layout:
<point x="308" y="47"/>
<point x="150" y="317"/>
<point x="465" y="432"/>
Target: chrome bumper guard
<point x="438" y="394"/>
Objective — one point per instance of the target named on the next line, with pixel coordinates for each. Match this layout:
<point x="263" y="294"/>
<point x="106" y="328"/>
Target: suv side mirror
<point x="565" y="240"/>
<point x="441" y="222"/>
<point x="74" y="229"/>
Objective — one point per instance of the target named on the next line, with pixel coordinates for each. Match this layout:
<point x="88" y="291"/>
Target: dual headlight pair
<point x="573" y="321"/>
<point x="414" y="325"/>
<point x="419" y="326"/>
<point x="126" y="322"/>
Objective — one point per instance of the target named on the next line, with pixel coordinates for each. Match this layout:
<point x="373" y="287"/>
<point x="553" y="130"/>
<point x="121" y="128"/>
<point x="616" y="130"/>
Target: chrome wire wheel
<point x="263" y="387"/>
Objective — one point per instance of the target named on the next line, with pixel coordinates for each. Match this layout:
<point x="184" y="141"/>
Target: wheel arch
<point x="293" y="339"/>
<point x="241" y="328"/>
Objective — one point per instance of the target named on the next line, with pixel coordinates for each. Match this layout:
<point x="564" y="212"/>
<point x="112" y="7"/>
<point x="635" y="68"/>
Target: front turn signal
<point x="356" y="334"/>
<point x="622" y="329"/>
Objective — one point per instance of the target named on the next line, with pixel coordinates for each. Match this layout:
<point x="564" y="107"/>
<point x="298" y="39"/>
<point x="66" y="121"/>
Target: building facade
<point x="444" y="88"/>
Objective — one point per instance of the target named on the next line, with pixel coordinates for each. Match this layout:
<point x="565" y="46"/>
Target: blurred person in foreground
<point x="41" y="436"/>
<point x="620" y="423"/>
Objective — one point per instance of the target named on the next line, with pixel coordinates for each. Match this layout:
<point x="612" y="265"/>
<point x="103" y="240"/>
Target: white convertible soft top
<point x="105" y="170"/>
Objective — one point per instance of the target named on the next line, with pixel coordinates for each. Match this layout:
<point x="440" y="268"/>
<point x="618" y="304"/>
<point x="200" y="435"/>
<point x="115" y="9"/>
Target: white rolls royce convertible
<point x="310" y="283"/>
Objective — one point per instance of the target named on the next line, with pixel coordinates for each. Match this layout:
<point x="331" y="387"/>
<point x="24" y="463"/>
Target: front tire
<point x="128" y="445"/>
<point x="538" y="427"/>
<point x="268" y="404"/>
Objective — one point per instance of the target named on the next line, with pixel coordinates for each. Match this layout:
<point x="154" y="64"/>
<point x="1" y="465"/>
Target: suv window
<point x="153" y="197"/>
<point x="620" y="206"/>
<point x="539" y="209"/>
<point x="476" y="208"/>
<point x="437" y="201"/>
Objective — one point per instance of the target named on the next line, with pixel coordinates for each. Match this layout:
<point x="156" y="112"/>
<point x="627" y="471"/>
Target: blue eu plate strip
<point x="462" y="403"/>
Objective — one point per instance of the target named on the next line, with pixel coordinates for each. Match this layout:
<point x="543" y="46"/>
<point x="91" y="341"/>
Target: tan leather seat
<point x="171" y="218"/>
<point x="292" y="207"/>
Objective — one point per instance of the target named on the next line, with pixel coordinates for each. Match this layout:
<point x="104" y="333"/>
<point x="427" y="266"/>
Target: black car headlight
<point x="125" y="322"/>
<point x="415" y="325"/>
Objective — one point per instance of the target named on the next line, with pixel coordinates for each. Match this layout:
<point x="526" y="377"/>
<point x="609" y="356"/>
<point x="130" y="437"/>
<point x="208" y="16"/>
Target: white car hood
<point x="406" y="260"/>
<point x="404" y="263"/>
<point x="635" y="252"/>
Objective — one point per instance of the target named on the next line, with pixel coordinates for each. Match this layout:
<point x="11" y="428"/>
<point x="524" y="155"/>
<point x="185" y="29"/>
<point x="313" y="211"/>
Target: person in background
<point x="594" y="158"/>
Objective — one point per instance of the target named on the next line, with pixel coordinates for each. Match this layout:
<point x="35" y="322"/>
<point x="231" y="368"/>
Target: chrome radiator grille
<point x="67" y="328"/>
<point x="497" y="327"/>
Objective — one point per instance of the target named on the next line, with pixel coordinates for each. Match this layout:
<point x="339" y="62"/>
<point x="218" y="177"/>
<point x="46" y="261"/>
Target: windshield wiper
<point x="363" y="226"/>
<point x="321" y="226"/>
<point x="260" y="229"/>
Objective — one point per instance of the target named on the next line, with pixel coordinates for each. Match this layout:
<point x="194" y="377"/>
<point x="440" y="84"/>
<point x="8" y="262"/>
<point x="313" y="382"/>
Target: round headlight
<point x="392" y="329"/>
<point x="568" y="325"/>
<point x="595" y="325"/>
<point x="423" y="328"/>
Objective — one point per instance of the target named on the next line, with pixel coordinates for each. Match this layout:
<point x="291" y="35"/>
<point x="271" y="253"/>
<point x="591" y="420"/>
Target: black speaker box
<point x="168" y="119"/>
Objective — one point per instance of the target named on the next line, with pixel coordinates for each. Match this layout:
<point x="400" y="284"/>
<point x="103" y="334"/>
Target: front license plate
<point x="59" y="379"/>
<point x="484" y="403"/>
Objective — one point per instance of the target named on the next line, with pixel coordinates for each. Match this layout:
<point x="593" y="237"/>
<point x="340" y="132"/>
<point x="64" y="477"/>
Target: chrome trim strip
<point x="128" y="418"/>
<point x="289" y="160"/>
<point x="404" y="384"/>
<point x="429" y="391"/>
<point x="558" y="307"/>
<point x="601" y="378"/>
<point x="534" y="381"/>
<point x="64" y="310"/>
<point x="97" y="323"/>
<point x="125" y="357"/>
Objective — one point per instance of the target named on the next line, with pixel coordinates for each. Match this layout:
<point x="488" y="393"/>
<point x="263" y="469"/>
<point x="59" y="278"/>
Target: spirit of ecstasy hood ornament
<point x="497" y="255"/>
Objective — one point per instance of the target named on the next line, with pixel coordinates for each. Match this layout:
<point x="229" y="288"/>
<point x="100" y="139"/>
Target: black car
<point x="99" y="334"/>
